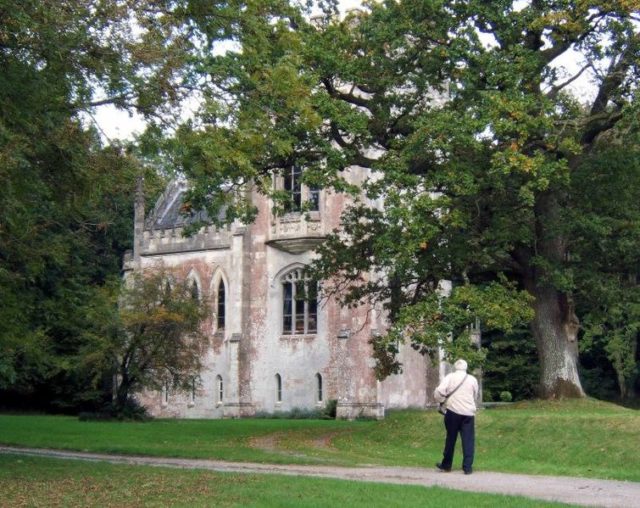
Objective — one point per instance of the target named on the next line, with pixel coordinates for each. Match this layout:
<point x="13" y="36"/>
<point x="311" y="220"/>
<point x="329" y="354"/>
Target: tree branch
<point x="347" y="97"/>
<point x="556" y="89"/>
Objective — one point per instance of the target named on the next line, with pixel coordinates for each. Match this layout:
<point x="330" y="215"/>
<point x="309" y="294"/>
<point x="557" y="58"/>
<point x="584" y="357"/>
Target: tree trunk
<point x="555" y="325"/>
<point x="555" y="329"/>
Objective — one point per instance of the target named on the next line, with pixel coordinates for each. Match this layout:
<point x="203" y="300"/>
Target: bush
<point x="506" y="396"/>
<point x="295" y="414"/>
<point x="598" y="382"/>
<point x="330" y="410"/>
<point x="303" y="414"/>
<point x="94" y="416"/>
<point x="512" y="364"/>
<point x="130" y="411"/>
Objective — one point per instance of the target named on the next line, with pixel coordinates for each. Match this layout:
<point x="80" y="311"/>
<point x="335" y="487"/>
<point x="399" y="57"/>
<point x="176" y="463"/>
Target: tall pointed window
<point x="278" y="388"/>
<point x="300" y="304"/>
<point x="219" y="390"/>
<point x="221" y="306"/>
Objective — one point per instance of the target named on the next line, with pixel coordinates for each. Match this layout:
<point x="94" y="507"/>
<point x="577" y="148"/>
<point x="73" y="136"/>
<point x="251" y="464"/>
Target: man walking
<point x="459" y="391"/>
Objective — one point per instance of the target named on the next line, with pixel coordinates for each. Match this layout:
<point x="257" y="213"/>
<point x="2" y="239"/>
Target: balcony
<point x="296" y="232"/>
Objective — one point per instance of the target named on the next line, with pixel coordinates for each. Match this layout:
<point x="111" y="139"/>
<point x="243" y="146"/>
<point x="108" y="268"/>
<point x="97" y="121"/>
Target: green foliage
<point x="385" y="350"/>
<point x="506" y="396"/>
<point x="65" y="198"/>
<point x="328" y="412"/>
<point x="511" y="365"/>
<point x="296" y="413"/>
<point x="152" y="339"/>
<point x="330" y="409"/>
<point x="439" y="323"/>
<point x="606" y="259"/>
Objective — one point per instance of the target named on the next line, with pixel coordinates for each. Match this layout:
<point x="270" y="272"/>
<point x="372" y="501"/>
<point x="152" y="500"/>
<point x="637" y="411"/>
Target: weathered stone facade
<point x="253" y="364"/>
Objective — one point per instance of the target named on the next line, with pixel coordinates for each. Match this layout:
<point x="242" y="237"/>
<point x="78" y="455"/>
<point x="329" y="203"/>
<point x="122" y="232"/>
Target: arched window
<point x="319" y="387"/>
<point x="299" y="303"/>
<point x="219" y="390"/>
<point x="278" y="388"/>
<point x="195" y="290"/>
<point x="221" y="305"/>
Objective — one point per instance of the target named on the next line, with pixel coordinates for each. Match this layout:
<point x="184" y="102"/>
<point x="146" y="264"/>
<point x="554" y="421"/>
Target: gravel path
<point x="579" y="491"/>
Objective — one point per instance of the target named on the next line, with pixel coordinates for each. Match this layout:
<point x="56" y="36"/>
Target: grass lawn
<point x="576" y="438"/>
<point x="31" y="481"/>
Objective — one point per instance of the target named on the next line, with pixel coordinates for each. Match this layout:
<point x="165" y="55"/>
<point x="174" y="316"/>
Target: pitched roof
<point x="169" y="211"/>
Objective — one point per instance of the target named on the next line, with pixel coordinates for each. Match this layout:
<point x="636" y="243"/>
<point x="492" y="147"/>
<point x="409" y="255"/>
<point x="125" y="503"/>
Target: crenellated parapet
<point x="171" y="241"/>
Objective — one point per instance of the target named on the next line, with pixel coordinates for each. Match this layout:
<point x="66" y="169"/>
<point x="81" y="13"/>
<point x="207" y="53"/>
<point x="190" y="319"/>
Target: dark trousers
<point x="465" y="425"/>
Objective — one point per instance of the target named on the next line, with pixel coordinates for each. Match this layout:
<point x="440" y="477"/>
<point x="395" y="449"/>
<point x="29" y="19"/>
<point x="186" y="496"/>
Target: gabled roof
<point x="170" y="212"/>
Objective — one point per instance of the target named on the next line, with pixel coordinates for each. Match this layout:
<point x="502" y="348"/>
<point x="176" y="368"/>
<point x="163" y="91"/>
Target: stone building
<point x="274" y="345"/>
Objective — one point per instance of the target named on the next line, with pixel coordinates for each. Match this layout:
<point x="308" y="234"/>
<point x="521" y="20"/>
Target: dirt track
<point x="579" y="491"/>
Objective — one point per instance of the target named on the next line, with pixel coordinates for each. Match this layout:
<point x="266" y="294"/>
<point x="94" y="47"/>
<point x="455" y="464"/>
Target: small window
<point x="319" y="386"/>
<point x="221" y="306"/>
<point x="192" y="395"/>
<point x="278" y="388"/>
<point x="219" y="390"/>
<point x="165" y="393"/>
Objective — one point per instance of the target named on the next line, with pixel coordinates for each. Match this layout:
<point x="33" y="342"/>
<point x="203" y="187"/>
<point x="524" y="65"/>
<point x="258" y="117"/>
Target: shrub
<point x="330" y="409"/>
<point x="295" y="414"/>
<point x="130" y="411"/>
<point x="512" y="364"/>
<point x="94" y="416"/>
<point x="506" y="396"/>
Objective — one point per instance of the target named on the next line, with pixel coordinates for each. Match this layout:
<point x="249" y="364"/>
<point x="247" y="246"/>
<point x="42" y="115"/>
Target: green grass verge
<point x="35" y="481"/>
<point x="576" y="438"/>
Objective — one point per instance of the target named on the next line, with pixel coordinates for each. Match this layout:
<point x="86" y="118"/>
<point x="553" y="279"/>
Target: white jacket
<point x="463" y="401"/>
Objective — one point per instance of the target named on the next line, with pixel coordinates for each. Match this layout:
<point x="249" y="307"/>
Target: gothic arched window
<point x="221" y="305"/>
<point x="299" y="303"/>
<point x="219" y="389"/>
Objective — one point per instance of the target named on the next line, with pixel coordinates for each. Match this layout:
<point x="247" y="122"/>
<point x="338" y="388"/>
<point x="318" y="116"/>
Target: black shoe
<point x="443" y="469"/>
<point x="468" y="471"/>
